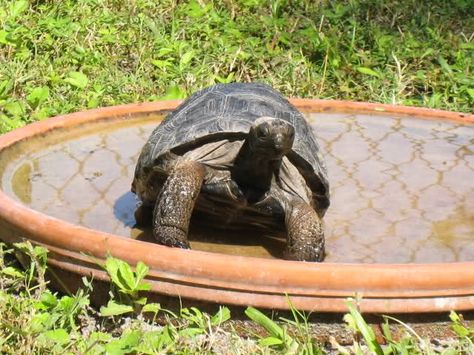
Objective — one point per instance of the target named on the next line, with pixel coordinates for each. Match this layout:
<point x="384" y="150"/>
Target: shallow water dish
<point x="400" y="230"/>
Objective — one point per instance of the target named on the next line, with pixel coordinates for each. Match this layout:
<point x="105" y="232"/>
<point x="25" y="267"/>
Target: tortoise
<point x="240" y="154"/>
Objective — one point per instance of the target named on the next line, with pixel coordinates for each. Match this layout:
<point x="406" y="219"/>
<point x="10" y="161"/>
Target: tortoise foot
<point x="172" y="237"/>
<point x="305" y="234"/>
<point x="305" y="251"/>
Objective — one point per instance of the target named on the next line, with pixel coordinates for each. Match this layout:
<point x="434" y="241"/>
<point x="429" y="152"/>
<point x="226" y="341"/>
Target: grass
<point x="64" y="56"/>
<point x="36" y="320"/>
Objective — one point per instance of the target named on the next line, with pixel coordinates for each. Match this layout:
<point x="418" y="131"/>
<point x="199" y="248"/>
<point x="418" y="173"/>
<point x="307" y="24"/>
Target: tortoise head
<point x="271" y="137"/>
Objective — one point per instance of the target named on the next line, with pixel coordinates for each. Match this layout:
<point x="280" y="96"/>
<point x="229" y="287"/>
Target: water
<point x="402" y="189"/>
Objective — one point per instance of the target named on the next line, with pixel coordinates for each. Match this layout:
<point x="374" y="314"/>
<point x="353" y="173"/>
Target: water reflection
<point x="402" y="189"/>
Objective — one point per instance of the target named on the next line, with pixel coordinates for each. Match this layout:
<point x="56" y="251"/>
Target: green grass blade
<point x="366" y="331"/>
<point x="258" y="317"/>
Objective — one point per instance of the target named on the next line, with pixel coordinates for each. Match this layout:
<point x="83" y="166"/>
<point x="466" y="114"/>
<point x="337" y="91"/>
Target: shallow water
<point x="402" y="189"/>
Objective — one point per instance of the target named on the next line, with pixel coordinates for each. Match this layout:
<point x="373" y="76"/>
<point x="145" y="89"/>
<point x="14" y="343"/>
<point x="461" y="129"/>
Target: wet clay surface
<point x="402" y="189"/>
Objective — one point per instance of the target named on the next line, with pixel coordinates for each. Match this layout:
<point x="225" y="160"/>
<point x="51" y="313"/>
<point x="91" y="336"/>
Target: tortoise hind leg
<point x="305" y="240"/>
<point x="144" y="215"/>
<point x="175" y="204"/>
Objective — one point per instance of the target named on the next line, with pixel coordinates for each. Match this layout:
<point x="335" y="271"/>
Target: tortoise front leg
<point x="175" y="204"/>
<point x="305" y="240"/>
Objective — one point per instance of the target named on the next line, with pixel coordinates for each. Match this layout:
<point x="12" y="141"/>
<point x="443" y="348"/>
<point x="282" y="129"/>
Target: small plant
<point x="129" y="284"/>
<point x="278" y="338"/>
<point x="33" y="260"/>
<point x="34" y="319"/>
<point x="300" y="324"/>
<point x="201" y="323"/>
<point x="300" y="342"/>
<point x="356" y="322"/>
<point x="59" y="312"/>
<point x="464" y="332"/>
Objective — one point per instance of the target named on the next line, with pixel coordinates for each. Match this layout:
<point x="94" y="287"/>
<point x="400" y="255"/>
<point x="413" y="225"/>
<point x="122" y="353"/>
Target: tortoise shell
<point x="226" y="111"/>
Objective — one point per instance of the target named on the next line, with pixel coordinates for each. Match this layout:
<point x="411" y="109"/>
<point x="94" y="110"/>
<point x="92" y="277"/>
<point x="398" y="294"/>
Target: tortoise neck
<point x="252" y="170"/>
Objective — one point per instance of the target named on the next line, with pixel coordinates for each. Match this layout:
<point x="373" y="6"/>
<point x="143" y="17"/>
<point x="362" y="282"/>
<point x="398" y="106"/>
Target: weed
<point x="35" y="319"/>
<point x="301" y="342"/>
<point x="60" y="57"/>
<point x="128" y="283"/>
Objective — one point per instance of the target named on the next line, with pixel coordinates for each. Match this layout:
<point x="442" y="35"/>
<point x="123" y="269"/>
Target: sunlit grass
<point x="64" y="56"/>
<point x="36" y="320"/>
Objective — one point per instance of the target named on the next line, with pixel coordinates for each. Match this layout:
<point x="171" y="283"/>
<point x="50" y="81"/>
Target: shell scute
<point x="226" y="111"/>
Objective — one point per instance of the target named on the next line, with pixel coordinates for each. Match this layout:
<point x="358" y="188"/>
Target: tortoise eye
<point x="261" y="132"/>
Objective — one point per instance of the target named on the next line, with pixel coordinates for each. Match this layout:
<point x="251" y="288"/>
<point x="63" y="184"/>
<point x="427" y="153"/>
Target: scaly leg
<point x="175" y="204"/>
<point x="305" y="241"/>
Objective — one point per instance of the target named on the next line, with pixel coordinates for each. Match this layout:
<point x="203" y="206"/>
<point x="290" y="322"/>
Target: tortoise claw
<point x="306" y="252"/>
<point x="172" y="237"/>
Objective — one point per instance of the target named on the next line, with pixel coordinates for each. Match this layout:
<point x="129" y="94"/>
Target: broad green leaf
<point x="4" y="37"/>
<point x="141" y="301"/>
<point x="125" y="345"/>
<point x="112" y="266"/>
<point x="100" y="336"/>
<point x="141" y="270"/>
<point x="185" y="59"/>
<point x="221" y="316"/>
<point x="66" y="303"/>
<point x="126" y="275"/>
<point x="461" y="330"/>
<point x="174" y="93"/>
<point x="191" y="332"/>
<point x="14" y="108"/>
<point x="454" y="316"/>
<point x="114" y="309"/>
<point x="270" y="341"/>
<point x="40" y="253"/>
<point x="194" y="9"/>
<point x="38" y="95"/>
<point x="77" y="79"/>
<point x="49" y="300"/>
<point x="470" y="92"/>
<point x="93" y="102"/>
<point x="164" y="51"/>
<point x="59" y="336"/>
<point x="151" y="307"/>
<point x="39" y="321"/>
<point x="223" y="80"/>
<point x="154" y="341"/>
<point x="162" y="64"/>
<point x="12" y="272"/>
<point x="18" y="7"/>
<point x="144" y="286"/>
<point x="368" y="71"/>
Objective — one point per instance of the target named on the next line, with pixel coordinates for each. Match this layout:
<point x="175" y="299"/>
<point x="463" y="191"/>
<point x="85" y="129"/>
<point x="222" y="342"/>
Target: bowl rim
<point x="240" y="280"/>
